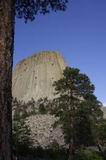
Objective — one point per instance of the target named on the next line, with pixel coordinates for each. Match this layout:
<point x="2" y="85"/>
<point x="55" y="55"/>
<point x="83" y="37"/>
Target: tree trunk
<point x="71" y="150"/>
<point x="72" y="140"/>
<point x="6" y="60"/>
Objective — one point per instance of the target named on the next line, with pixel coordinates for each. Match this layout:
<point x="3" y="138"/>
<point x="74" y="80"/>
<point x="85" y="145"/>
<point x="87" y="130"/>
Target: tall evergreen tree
<point x="88" y="115"/>
<point x="26" y="9"/>
<point x="73" y="91"/>
<point x="20" y="130"/>
<point x="99" y="135"/>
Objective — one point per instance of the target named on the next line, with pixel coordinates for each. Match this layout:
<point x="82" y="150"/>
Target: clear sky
<point x="79" y="34"/>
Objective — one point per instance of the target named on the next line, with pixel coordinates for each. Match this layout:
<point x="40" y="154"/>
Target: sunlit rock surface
<point x="34" y="76"/>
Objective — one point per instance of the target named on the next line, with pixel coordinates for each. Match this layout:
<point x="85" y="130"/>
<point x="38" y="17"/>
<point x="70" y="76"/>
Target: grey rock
<point x="33" y="78"/>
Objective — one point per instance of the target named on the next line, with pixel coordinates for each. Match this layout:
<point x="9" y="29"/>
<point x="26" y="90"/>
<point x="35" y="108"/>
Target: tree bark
<point x="72" y="119"/>
<point x="6" y="61"/>
<point x="72" y="142"/>
<point x="71" y="151"/>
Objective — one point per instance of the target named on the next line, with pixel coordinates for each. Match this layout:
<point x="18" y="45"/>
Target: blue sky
<point x="79" y="34"/>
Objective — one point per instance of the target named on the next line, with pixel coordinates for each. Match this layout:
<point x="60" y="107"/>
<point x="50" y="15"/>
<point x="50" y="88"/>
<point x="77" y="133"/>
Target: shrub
<point x="88" y="155"/>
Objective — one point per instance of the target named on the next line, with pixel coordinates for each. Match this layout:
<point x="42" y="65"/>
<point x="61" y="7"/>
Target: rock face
<point x="42" y="132"/>
<point x="34" y="76"/>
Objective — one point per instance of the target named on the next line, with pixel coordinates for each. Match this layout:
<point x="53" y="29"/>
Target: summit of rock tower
<point x="33" y="77"/>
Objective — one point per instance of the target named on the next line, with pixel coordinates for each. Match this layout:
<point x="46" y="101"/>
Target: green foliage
<point x="77" y="108"/>
<point x="99" y="133"/>
<point x="28" y="9"/>
<point x="71" y="90"/>
<point x="88" y="115"/>
<point x="55" y="146"/>
<point x="20" y="130"/>
<point x="45" y="154"/>
<point x="56" y="152"/>
<point x="21" y="133"/>
<point x="74" y="84"/>
<point x="24" y="109"/>
<point x="43" y="106"/>
<point x="88" y="155"/>
<point x="42" y="109"/>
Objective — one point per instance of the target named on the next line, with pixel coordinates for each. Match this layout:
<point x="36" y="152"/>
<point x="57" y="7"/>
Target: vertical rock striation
<point x="34" y="76"/>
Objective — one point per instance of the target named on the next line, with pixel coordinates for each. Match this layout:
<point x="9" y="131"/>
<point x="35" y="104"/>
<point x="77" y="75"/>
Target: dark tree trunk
<point x="72" y="140"/>
<point x="71" y="154"/>
<point x="6" y="61"/>
<point x="71" y="150"/>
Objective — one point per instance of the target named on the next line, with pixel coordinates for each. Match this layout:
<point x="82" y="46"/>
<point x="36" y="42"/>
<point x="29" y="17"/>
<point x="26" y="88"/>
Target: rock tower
<point x="33" y="77"/>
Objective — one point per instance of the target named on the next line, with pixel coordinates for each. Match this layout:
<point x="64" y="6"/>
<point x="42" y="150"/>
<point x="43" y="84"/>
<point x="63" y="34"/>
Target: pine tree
<point x="75" y="106"/>
<point x="21" y="133"/>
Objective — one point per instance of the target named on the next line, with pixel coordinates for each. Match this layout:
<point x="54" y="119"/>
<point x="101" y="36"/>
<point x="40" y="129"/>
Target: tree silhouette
<point x="26" y="9"/>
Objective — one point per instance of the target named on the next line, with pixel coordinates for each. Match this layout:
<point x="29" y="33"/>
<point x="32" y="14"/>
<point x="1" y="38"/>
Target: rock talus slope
<point x="34" y="76"/>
